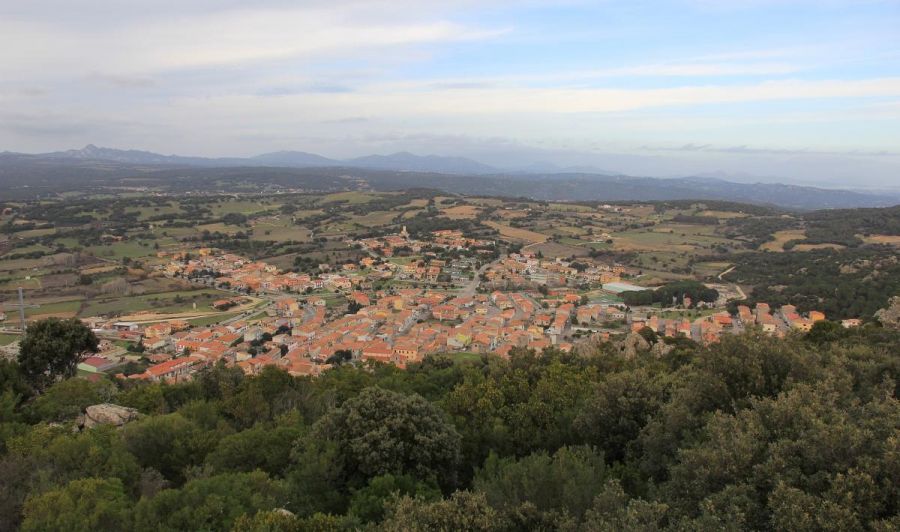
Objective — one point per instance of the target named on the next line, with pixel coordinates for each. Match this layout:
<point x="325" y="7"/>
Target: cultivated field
<point x="783" y="237"/>
<point x="515" y="233"/>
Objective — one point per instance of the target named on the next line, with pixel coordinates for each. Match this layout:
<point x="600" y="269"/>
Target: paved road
<point x="729" y="270"/>
<point x="736" y="287"/>
<point x="472" y="286"/>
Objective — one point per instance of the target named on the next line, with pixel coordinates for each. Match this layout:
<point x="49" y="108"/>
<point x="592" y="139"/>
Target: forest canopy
<point x="752" y="433"/>
<point x="671" y="294"/>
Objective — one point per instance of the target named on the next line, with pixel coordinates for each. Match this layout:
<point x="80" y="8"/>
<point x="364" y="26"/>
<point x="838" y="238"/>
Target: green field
<point x="62" y="307"/>
<point x="280" y="233"/>
<point x="352" y="198"/>
<point x="164" y="302"/>
<point x="6" y="339"/>
<point x="129" y="248"/>
<point x="206" y="321"/>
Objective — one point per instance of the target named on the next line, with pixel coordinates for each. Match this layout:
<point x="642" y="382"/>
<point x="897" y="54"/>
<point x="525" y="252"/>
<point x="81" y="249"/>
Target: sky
<point x="804" y="91"/>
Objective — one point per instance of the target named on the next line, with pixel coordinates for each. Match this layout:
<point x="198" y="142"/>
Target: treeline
<point x="756" y="231"/>
<point x="715" y="205"/>
<point x="671" y="294"/>
<point x="754" y="433"/>
<point x="842" y="226"/>
<point x="695" y="219"/>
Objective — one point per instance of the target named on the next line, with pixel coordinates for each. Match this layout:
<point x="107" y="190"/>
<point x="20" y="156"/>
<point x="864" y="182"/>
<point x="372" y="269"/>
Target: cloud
<point x="232" y="77"/>
<point x="324" y="88"/>
<point x="348" y="120"/>
<point x="124" y="82"/>
<point x="748" y="150"/>
<point x="511" y="100"/>
<point x="220" y="37"/>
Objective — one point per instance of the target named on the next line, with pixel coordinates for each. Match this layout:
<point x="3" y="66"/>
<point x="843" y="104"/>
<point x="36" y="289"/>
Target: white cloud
<point x="495" y="101"/>
<point x="226" y="37"/>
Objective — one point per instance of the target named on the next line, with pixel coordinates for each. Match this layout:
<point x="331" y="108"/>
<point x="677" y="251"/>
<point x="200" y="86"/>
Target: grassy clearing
<point x="130" y="248"/>
<point x="709" y="269"/>
<point x="461" y="212"/>
<point x="893" y="240"/>
<point x="219" y="228"/>
<point x="374" y="219"/>
<point x="571" y="230"/>
<point x="6" y="339"/>
<point x="515" y="233"/>
<point x="238" y="206"/>
<point x="280" y="233"/>
<point x="511" y="214"/>
<point x="19" y="264"/>
<point x="669" y="238"/>
<point x="570" y="207"/>
<point x="353" y="197"/>
<point x="31" y="233"/>
<point x="811" y="247"/>
<point x="166" y="302"/>
<point x="211" y="320"/>
<point x="723" y="215"/>
<point x="781" y="238"/>
<point x="62" y="309"/>
<point x="419" y="202"/>
<point x="465" y="357"/>
<point x="555" y="249"/>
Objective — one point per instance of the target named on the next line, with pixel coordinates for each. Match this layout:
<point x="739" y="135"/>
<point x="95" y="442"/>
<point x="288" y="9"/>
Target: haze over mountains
<point x="400" y="161"/>
<point x="404" y="170"/>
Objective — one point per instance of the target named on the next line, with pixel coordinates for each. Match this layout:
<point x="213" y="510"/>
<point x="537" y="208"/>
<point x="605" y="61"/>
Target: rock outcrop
<point x="890" y="316"/>
<point x="661" y="349"/>
<point x="633" y="343"/>
<point x="108" y="414"/>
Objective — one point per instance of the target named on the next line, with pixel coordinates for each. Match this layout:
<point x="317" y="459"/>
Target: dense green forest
<point x="754" y="433"/>
<point x="671" y="294"/>
<point x="843" y="226"/>
<point x="850" y="283"/>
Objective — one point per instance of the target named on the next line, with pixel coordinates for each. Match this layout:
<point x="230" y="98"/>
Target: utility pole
<point x="21" y="306"/>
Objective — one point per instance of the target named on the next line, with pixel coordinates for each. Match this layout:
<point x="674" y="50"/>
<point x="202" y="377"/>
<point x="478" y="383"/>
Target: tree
<point x="263" y="446"/>
<point x="169" y="444"/>
<point x="462" y="511"/>
<point x="621" y="406"/>
<point x="212" y="503"/>
<point x="340" y="356"/>
<point x="564" y="483"/>
<point x="86" y="504"/>
<point x="64" y="456"/>
<point x="612" y="510"/>
<point x="284" y="521"/>
<point x="12" y="380"/>
<point x="382" y="432"/>
<point x="53" y="348"/>
<point x="823" y="332"/>
<point x="66" y="399"/>
<point x="368" y="504"/>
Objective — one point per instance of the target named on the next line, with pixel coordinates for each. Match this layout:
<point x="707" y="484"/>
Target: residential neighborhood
<point x="521" y="301"/>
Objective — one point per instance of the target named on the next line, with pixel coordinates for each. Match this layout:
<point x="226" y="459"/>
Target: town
<point x="514" y="301"/>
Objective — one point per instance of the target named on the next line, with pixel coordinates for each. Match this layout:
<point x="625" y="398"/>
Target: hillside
<point x="754" y="432"/>
<point x="22" y="175"/>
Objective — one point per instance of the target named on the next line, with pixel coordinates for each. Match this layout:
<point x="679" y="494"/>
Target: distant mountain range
<point x="95" y="165"/>
<point x="402" y="161"/>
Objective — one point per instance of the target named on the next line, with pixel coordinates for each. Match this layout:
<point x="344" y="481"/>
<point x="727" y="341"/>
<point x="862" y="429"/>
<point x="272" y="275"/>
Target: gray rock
<point x="890" y="316"/>
<point x="109" y="414"/>
<point x="661" y="349"/>
<point x="633" y="343"/>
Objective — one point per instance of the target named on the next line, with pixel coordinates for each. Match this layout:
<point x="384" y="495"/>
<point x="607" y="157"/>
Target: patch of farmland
<point x="516" y="233"/>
